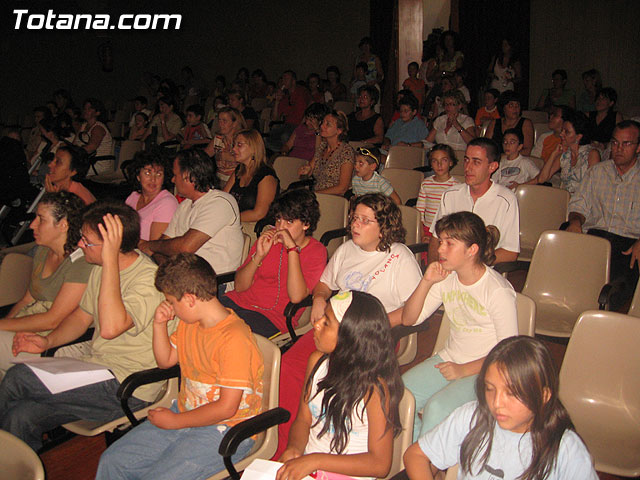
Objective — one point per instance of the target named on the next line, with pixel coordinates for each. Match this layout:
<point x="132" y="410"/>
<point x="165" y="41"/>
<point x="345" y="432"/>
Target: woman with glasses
<point x="454" y="128"/>
<point x="59" y="275"/>
<point x="151" y="197"/>
<point x="283" y="266"/>
<point x="511" y="117"/>
<point x="254" y="184"/>
<point x="573" y="156"/>
<point x="373" y="260"/>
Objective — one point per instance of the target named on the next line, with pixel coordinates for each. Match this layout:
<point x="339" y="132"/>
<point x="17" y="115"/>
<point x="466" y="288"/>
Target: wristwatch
<point x="296" y="248"/>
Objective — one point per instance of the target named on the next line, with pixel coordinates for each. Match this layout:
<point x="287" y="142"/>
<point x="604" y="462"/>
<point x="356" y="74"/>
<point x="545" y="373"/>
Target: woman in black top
<point x="603" y="121"/>
<point x="366" y="125"/>
<point x="253" y="184"/>
<point x="510" y="117"/>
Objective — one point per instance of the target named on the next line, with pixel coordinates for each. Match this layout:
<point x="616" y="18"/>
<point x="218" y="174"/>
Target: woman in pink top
<point x="305" y="138"/>
<point x="151" y="198"/>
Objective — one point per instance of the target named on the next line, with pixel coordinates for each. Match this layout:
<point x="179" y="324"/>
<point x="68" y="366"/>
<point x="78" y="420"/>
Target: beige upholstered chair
<point x="405" y="157"/>
<point x="600" y="387"/>
<point x="287" y="170"/>
<point x="403" y="441"/>
<point x="406" y="183"/>
<point x="536" y="116"/>
<point x="541" y="208"/>
<point x="334" y="211"/>
<point x="15" y="274"/>
<point x="567" y="272"/>
<point x="539" y="129"/>
<point x="345" y="107"/>
<point x="18" y="461"/>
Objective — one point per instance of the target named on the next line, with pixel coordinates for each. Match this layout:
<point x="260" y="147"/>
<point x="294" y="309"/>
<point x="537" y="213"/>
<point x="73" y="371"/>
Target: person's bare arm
<point x="378" y="132"/>
<point x="166" y="356"/>
<point x="190" y="242"/>
<point x="489" y="132"/>
<point x="503" y="255"/>
<point x="157" y="229"/>
<point x="527" y="132"/>
<point x="25" y="300"/>
<point x="413" y="306"/>
<point x="594" y="157"/>
<point x="550" y="167"/>
<point x="346" y="173"/>
<point x="65" y="302"/>
<point x="417" y="464"/>
<point x="229" y="185"/>
<point x="246" y="273"/>
<point x="576" y="220"/>
<point x="288" y="146"/>
<point x="395" y="198"/>
<point x="97" y="134"/>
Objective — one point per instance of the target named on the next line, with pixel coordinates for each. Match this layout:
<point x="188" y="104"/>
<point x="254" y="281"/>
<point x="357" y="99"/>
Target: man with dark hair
<point x="207" y="223"/>
<point x="607" y="203"/>
<point x="119" y="302"/>
<point x="495" y="204"/>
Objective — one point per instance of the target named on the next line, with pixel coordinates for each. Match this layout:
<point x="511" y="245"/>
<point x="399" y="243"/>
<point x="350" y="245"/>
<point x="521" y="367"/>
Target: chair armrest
<point x="507" y="267"/>
<point x="137" y="379"/>
<point x="226" y="277"/>
<point x="88" y="335"/>
<point x="418" y="248"/>
<point x="243" y="430"/>
<point x="331" y="234"/>
<point x="608" y="291"/>
<point x="290" y="311"/>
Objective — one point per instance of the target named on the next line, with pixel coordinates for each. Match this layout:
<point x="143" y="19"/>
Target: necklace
<point x="278" y="290"/>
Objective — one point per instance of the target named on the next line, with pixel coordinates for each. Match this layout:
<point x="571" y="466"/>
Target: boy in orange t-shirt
<point x="221" y="369"/>
<point x="413" y="83"/>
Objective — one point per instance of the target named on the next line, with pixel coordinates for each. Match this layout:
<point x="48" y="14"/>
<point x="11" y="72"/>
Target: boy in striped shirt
<point x="367" y="179"/>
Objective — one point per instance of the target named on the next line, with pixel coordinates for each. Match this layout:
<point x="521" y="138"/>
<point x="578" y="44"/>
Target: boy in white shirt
<point x="514" y="169"/>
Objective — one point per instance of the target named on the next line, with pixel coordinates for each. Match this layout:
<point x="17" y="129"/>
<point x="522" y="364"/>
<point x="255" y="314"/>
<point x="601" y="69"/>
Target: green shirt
<point x="69" y="271"/>
<point x="132" y="350"/>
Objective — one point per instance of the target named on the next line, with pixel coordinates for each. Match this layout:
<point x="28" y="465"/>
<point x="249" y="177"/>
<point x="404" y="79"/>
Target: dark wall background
<point x="216" y="37"/>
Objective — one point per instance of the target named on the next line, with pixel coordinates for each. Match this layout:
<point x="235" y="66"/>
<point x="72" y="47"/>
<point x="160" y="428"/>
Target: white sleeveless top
<point x="358" y="438"/>
<point x="105" y="148"/>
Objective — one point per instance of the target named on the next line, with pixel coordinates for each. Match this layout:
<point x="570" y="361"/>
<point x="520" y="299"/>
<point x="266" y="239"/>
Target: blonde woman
<point x="219" y="148"/>
<point x="254" y="184"/>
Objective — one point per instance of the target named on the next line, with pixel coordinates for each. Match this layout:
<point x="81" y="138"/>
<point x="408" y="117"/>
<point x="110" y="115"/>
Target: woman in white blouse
<point x="453" y="127"/>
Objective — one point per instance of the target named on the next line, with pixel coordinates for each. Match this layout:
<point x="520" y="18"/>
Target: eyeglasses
<point x="362" y="220"/>
<point x="86" y="243"/>
<point x="626" y="144"/>
<point x="510" y="142"/>
<point x="366" y="153"/>
<point x="151" y="173"/>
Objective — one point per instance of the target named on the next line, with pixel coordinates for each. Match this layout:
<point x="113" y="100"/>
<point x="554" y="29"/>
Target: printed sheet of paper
<point x="60" y="374"/>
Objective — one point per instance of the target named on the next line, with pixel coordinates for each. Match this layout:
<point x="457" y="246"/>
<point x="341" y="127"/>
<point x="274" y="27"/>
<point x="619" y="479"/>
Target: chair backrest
<point x="287" y="170"/>
<point x="405" y="157"/>
<point x="15" y="274"/>
<point x="412" y="224"/>
<point x="342" y="106"/>
<point x="406" y="183"/>
<point x="536" y="116"/>
<point x="404" y="440"/>
<point x="334" y="211"/>
<point x="266" y="443"/>
<point x="246" y="245"/>
<point x="539" y="129"/>
<point x="526" y="311"/>
<point x="538" y="162"/>
<point x="458" y="169"/>
<point x="541" y="208"/>
<point x="128" y="149"/>
<point x="567" y="272"/>
<point x="355" y="145"/>
<point x="600" y="387"/>
<point x="115" y="129"/>
<point x="18" y="460"/>
<point x="635" y="302"/>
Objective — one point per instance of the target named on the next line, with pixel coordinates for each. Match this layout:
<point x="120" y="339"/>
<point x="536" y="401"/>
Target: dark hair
<point x="413" y="64"/>
<point x="561" y="72"/>
<point x="220" y="78"/>
<point x="43" y="110"/>
<point x="238" y="94"/>
<point x="144" y="116"/>
<point x="244" y="70"/>
<point x="317" y="111"/>
<point x="363" y="66"/>
<point x="196" y="109"/>
<point x="460" y="72"/>
<point x="98" y="106"/>
<point x="334" y="69"/>
<point x="259" y="73"/>
<point x="580" y="124"/>
<point x="494" y="92"/>
<point x="298" y="204"/>
<point x="170" y="101"/>
<point x="444" y="35"/>
<point x="527" y="367"/>
<point x="372" y="91"/>
<point x="506" y="97"/>
<point x="342" y="122"/>
<point x="514" y="131"/>
<point x="69" y="206"/>
<point x="187" y="70"/>
<point x="469" y="228"/>
<point x="365" y="41"/>
<point x="146" y="159"/>
<point x="94" y="213"/>
<point x="61" y="125"/>
<point x="290" y="72"/>
<point x="199" y="167"/>
<point x="490" y="147"/>
<point x="354" y="374"/>
<point x="624" y="124"/>
<point x="141" y="99"/>
<point x="595" y="74"/>
<point x="187" y="273"/>
<point x="443" y="147"/>
<point x="79" y="160"/>
<point x="610" y="94"/>
<point x="388" y="216"/>
<point x="410" y="100"/>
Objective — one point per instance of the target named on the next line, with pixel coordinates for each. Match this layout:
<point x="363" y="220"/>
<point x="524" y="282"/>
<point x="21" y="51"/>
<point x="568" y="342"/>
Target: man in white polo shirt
<point x="495" y="204"/>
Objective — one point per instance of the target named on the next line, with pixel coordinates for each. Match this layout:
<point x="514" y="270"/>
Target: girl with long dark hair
<point x="516" y="428"/>
<point x="348" y="412"/>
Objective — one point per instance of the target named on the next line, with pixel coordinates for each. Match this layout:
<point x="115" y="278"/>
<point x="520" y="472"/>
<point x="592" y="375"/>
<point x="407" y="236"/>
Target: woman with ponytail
<point x="480" y="304"/>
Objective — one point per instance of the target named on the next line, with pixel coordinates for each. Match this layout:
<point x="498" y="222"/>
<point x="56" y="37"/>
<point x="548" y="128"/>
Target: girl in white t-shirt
<point x="348" y="413"/>
<point x="516" y="428"/>
<point x="480" y="304"/>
